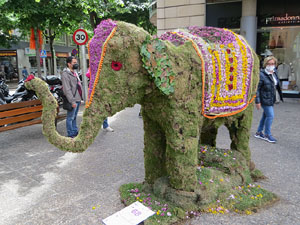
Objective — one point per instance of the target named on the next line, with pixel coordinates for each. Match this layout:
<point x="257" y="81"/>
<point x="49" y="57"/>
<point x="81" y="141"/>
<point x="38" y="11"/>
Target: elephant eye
<point x="116" y="65"/>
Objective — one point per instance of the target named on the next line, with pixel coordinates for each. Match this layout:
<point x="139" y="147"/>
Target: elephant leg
<point x="181" y="156"/>
<point x="154" y="150"/>
<point x="239" y="131"/>
<point x="209" y="133"/>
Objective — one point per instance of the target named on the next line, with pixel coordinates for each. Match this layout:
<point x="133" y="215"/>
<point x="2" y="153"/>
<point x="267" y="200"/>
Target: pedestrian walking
<point x="73" y="91"/>
<point x="266" y="97"/>
<point x="24" y="73"/>
<point x="105" y="124"/>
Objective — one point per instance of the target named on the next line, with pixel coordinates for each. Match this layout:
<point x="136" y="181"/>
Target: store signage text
<point x="8" y="53"/>
<point x="282" y="20"/>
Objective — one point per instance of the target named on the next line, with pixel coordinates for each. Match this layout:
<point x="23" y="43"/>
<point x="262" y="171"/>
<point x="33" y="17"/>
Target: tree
<point x="7" y="24"/>
<point x="64" y="16"/>
<point x="56" y="16"/>
<point x="134" y="11"/>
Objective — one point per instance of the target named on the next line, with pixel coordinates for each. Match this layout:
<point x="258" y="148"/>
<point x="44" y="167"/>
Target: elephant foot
<point x="184" y="199"/>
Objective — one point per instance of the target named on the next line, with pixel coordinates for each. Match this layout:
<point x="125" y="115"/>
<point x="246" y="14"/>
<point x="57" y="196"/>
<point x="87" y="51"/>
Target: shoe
<point x="260" y="135"/>
<point x="108" y="129"/>
<point x="270" y="138"/>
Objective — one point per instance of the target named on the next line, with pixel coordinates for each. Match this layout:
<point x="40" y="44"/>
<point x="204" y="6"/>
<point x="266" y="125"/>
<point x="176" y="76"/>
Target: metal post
<point x="44" y="66"/>
<point x="54" y="64"/>
<point x="84" y="70"/>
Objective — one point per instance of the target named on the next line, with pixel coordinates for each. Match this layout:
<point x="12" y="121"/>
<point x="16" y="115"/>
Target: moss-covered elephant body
<point x="172" y="78"/>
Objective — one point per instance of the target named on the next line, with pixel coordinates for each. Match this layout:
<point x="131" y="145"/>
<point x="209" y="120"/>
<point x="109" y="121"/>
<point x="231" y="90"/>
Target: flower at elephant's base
<point x="116" y="65"/>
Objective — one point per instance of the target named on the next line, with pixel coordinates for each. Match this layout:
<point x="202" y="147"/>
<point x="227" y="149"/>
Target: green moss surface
<point x="174" y="128"/>
<point x="224" y="185"/>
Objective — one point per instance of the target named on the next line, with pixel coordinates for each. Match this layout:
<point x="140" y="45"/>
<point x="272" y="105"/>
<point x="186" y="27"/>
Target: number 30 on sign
<point x="80" y="37"/>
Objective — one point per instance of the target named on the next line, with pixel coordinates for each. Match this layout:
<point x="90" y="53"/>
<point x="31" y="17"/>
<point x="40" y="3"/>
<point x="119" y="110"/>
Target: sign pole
<point x="44" y="65"/>
<point x="84" y="70"/>
<point x="80" y="37"/>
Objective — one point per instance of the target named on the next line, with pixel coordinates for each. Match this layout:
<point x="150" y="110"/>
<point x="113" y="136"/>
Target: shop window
<point x="284" y="44"/>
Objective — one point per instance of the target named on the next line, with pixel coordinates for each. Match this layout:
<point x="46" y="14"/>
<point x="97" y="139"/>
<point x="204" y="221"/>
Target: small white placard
<point x="131" y="215"/>
<point x="285" y="85"/>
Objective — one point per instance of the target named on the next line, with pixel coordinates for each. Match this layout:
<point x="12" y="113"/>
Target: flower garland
<point x="96" y="50"/>
<point x="228" y="68"/>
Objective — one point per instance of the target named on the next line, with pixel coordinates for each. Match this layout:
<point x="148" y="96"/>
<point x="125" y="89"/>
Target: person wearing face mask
<point x="266" y="97"/>
<point x="73" y="91"/>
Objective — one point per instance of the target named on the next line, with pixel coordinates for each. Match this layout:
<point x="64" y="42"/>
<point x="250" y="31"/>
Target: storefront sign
<point x="29" y="52"/>
<point x="8" y="53"/>
<point x="286" y="20"/>
<point x="62" y="54"/>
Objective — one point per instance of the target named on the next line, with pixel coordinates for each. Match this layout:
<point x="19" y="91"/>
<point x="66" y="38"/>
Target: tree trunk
<point x="92" y="19"/>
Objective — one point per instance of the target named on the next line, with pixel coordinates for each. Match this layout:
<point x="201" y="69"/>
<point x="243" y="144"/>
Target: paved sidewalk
<point x="42" y="185"/>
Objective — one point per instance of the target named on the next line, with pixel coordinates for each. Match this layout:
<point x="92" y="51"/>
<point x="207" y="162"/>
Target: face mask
<point x="75" y="66"/>
<point x="270" y="68"/>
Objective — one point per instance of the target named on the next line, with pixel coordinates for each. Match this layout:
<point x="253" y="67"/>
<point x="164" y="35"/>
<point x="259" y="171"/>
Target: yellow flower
<point x="221" y="179"/>
<point x="158" y="212"/>
<point x="248" y="212"/>
<point x="93" y="207"/>
<point x="258" y="186"/>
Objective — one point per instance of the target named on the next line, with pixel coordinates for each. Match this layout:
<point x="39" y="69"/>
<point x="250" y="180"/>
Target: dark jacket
<point x="69" y="83"/>
<point x="266" y="90"/>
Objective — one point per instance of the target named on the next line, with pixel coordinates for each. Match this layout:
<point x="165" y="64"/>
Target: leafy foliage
<point x="134" y="11"/>
<point x="156" y="62"/>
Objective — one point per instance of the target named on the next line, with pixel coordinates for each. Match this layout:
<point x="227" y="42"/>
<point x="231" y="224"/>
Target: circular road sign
<point x="74" y="51"/>
<point x="80" y="37"/>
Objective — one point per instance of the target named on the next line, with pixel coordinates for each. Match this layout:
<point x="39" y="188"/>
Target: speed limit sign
<point x="80" y="37"/>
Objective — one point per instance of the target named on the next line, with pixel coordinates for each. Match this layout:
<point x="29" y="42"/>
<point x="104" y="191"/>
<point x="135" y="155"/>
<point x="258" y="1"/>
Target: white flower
<point x="232" y="197"/>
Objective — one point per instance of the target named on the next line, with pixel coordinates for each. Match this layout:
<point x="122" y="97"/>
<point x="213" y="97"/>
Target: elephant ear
<point x="157" y="63"/>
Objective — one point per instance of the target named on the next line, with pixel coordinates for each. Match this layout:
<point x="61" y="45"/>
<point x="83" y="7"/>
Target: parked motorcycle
<point x="55" y="86"/>
<point x="21" y="93"/>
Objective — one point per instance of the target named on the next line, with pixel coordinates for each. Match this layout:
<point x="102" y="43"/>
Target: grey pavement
<point x="40" y="184"/>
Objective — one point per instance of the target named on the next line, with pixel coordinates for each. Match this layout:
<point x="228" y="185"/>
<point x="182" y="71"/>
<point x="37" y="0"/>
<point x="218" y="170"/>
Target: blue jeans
<point x="105" y="124"/>
<point x="266" y="119"/>
<point x="72" y="129"/>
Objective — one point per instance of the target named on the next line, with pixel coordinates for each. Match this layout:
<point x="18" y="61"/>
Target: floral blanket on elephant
<point x="227" y="66"/>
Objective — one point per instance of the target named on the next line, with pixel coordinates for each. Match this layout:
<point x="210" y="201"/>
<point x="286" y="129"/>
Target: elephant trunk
<point x="89" y="126"/>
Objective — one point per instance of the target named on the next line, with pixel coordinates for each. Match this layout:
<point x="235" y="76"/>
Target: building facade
<point x="21" y="55"/>
<point x="270" y="27"/>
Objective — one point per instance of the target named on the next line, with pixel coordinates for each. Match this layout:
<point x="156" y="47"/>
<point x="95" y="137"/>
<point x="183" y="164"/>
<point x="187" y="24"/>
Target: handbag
<point x="66" y="104"/>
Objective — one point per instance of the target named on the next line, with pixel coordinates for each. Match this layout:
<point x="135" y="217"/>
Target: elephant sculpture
<point x="188" y="82"/>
